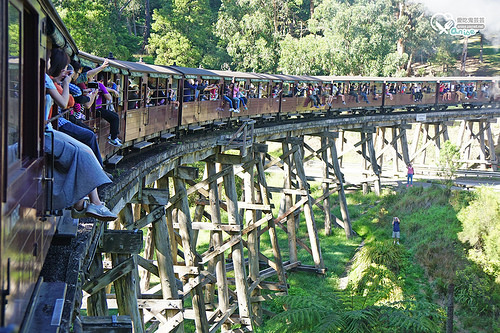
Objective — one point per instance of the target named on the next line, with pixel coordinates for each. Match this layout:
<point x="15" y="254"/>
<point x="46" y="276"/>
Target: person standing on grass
<point x="409" y="177"/>
<point x="395" y="229"/>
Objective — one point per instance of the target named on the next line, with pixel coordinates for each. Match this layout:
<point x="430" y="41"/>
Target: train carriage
<point x="467" y="91"/>
<point x="289" y="98"/>
<point x="409" y="93"/>
<point x="148" y="111"/>
<point x="350" y="88"/>
<point x="246" y="83"/>
<point x="268" y="90"/>
<point x="28" y="223"/>
<point x="192" y="110"/>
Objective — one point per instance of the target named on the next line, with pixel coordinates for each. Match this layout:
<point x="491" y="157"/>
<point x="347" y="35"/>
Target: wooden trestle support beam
<point x="191" y="280"/>
<point x="190" y="284"/>
<point x="476" y="143"/>
<point x="484" y="152"/>
<point x="371" y="166"/>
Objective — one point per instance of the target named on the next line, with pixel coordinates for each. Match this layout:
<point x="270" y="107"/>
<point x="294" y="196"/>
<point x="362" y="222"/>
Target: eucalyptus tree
<point x="97" y="28"/>
<point x="182" y="33"/>
<point x="364" y="37"/>
<point x="251" y="30"/>
<point x="357" y="36"/>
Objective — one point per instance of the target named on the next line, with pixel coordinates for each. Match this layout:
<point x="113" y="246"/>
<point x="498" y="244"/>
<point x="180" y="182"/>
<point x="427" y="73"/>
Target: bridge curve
<point x="198" y="147"/>
<point x="151" y="190"/>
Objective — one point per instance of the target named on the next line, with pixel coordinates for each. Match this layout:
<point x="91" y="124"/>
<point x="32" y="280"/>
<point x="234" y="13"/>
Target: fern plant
<point x="334" y="313"/>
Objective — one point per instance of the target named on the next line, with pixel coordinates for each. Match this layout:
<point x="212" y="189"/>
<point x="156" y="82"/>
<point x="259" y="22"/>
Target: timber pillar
<point x="476" y="143"/>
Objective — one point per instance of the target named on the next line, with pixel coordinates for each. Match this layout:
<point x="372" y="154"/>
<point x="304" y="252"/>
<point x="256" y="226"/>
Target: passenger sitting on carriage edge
<point x="418" y="93"/>
<point x="363" y="91"/>
<point x="471" y="91"/>
<point x="352" y="92"/>
<point x="374" y="92"/>
<point x="460" y="91"/>
<point x="102" y="110"/>
<point x="335" y="93"/>
<point x="315" y="95"/>
<point x="77" y="116"/>
<point x="77" y="172"/>
<point x="79" y="133"/>
<point x="236" y="101"/>
<point x="228" y="97"/>
<point x="309" y="91"/>
<point x="241" y="96"/>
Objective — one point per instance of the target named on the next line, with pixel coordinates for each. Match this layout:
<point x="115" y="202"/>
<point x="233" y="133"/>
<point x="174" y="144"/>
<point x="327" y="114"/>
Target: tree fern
<point x="316" y="314"/>
<point x="360" y="321"/>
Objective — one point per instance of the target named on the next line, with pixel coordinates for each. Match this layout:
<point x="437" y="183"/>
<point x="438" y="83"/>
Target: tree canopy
<point x="341" y="37"/>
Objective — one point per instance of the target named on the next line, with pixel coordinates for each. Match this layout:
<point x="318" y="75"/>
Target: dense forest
<point x="317" y="37"/>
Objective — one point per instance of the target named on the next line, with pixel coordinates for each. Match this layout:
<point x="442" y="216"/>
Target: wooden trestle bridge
<point x="153" y="194"/>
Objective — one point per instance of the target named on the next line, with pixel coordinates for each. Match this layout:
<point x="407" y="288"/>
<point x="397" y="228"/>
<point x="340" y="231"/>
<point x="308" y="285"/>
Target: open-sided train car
<point x="467" y="91"/>
<point x="354" y="94"/>
<point x="412" y="93"/>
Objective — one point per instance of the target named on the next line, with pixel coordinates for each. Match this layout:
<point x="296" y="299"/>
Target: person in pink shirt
<point x="409" y="176"/>
<point x="236" y="100"/>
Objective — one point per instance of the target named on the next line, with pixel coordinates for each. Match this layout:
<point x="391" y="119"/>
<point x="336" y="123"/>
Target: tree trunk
<point x="311" y="8"/>
<point x="129" y="28"/>
<point x="408" y="65"/>
<point x="401" y="9"/>
<point x="135" y="26"/>
<point x="450" y="305"/>
<point x="275" y="17"/>
<point x="481" y="50"/>
<point x="147" y="26"/>
<point x="464" y="56"/>
<point x="400" y="46"/>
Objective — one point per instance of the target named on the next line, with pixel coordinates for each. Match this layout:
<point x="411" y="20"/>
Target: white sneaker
<point x="100" y="212"/>
<point x="117" y="139"/>
<point x="116" y="142"/>
<point x="237" y="110"/>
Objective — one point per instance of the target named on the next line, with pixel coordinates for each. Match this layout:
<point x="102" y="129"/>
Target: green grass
<point x="491" y="57"/>
<point x="430" y="255"/>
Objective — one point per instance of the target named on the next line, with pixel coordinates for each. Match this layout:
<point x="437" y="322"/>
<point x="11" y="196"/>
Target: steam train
<point x="154" y="103"/>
